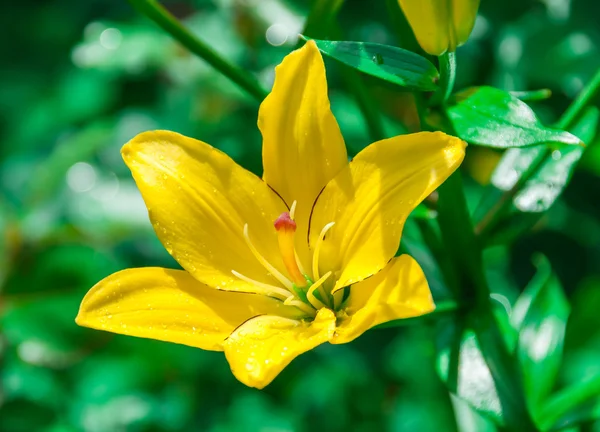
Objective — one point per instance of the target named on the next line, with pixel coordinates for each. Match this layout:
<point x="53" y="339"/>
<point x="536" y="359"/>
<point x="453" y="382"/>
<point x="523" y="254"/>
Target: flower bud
<point x="440" y="25"/>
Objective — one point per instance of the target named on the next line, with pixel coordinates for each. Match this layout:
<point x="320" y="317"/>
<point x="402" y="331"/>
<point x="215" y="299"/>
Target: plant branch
<point x="589" y="92"/>
<point x="157" y="13"/>
<point x="447" y="65"/>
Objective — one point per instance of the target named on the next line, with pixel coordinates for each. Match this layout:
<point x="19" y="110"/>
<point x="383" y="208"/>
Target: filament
<point x="262" y="288"/>
<point x="315" y="260"/>
<point x="276" y="273"/>
<point x="318" y="304"/>
<point x="292" y="301"/>
<point x="338" y="298"/>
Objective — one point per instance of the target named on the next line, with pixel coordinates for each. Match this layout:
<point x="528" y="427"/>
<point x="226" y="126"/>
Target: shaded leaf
<point x="540" y="315"/>
<point x="575" y="404"/>
<point x="491" y="117"/>
<point x="395" y="65"/>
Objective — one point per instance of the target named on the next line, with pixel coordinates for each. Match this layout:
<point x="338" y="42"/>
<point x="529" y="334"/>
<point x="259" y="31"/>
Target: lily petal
<point x="172" y="306"/>
<point x="303" y="147"/>
<point x="198" y="200"/>
<point x="371" y="198"/>
<point x="262" y="347"/>
<point x="398" y="291"/>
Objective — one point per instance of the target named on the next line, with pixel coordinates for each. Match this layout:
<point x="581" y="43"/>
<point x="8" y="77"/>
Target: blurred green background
<point x="79" y="79"/>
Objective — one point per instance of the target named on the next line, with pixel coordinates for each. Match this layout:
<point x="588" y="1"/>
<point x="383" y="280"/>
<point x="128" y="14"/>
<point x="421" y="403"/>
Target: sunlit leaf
<point x="395" y="65"/>
<point x="475" y="367"/>
<point x="467" y="418"/>
<point x="533" y="177"/>
<point x="540" y="315"/>
<point x="540" y="192"/>
<point x="462" y="367"/>
<point x="491" y="117"/>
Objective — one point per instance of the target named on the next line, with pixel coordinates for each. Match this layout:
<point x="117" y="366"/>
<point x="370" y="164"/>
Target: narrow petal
<point x="302" y="145"/>
<point x="198" y="200"/>
<point x="398" y="291"/>
<point x="259" y="349"/>
<point x="371" y="198"/>
<point x="172" y="306"/>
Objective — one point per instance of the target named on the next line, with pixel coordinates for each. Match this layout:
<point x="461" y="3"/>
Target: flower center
<point x="300" y="290"/>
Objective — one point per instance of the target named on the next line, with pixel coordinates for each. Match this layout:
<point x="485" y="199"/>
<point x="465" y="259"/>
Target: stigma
<point x="286" y="229"/>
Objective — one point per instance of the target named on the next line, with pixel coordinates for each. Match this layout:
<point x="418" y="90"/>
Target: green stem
<point x="157" y="13"/>
<point x="532" y="95"/>
<point x="447" y="63"/>
<point x="490" y="220"/>
<point x="321" y="16"/>
<point x="589" y="92"/>
<point x="459" y="240"/>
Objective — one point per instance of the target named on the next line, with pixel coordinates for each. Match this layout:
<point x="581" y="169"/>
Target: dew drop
<point x="378" y="58"/>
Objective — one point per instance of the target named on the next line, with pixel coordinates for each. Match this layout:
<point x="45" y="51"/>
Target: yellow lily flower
<point x="277" y="266"/>
<point x="440" y="25"/>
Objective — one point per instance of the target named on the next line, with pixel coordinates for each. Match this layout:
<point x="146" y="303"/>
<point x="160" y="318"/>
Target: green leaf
<point x="462" y="367"/>
<point x="395" y="65"/>
<point x="491" y="117"/>
<point x="532" y="179"/>
<point x="540" y="315"/>
<point x="475" y="368"/>
<point x="575" y="404"/>
<point x="541" y="190"/>
<point x="467" y="418"/>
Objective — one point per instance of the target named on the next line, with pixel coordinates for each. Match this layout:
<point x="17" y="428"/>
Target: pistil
<point x="286" y="229"/>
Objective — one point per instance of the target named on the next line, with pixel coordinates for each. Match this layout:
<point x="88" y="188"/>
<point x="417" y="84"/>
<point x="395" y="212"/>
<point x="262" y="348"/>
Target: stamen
<point x="262" y="288"/>
<point x="286" y="227"/>
<point x="298" y="263"/>
<point x="338" y="297"/>
<point x="315" y="260"/>
<point x="292" y="301"/>
<point x="318" y="304"/>
<point x="276" y="273"/>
